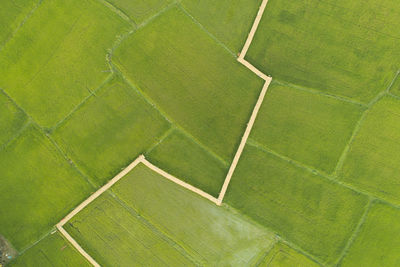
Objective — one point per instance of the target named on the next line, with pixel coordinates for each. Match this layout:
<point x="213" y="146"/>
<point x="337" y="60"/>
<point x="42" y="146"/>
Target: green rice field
<point x="87" y="86"/>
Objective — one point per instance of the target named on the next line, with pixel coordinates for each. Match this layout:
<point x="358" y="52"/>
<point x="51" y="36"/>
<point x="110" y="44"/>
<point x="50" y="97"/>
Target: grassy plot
<point x="373" y="162"/>
<point x="179" y="155"/>
<point x="395" y="89"/>
<point x="12" y="119"/>
<point x="140" y="10"/>
<point x="229" y="20"/>
<point x="192" y="79"/>
<point x="110" y="130"/>
<point x="116" y="236"/>
<point x="346" y="48"/>
<point x="304" y="208"/>
<point x="51" y="251"/>
<point x="156" y="212"/>
<point x="37" y="188"/>
<point x="284" y="256"/>
<point x="48" y="77"/>
<point x="12" y="14"/>
<point x="307" y="127"/>
<point x="377" y="243"/>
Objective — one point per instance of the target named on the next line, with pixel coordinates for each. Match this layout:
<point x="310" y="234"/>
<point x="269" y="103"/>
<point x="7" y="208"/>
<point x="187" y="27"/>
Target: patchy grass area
<point x="12" y="119"/>
<point x="373" y="162"/>
<point x="12" y="15"/>
<point x="110" y="130"/>
<point x="192" y="79"/>
<point x="306" y="209"/>
<point x="158" y="208"/>
<point x="281" y="255"/>
<point x="51" y="251"/>
<point x="346" y="48"/>
<point x="229" y="20"/>
<point x="377" y="243"/>
<point x="38" y="187"/>
<point x="181" y="156"/>
<point x="140" y="10"/>
<point x="48" y="77"/>
<point x="308" y="127"/>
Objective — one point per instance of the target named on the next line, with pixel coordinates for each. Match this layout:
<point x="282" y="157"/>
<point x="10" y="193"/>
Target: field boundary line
<point x="243" y="141"/>
<point x="104" y="188"/>
<point x="253" y="30"/>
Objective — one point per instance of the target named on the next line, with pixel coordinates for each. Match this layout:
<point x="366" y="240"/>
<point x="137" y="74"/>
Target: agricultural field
<point x="344" y="48"/>
<point x="150" y="221"/>
<point x="88" y="86"/>
<point x="53" y="250"/>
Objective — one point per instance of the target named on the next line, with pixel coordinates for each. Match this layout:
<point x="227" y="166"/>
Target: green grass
<point x="116" y="236"/>
<point x="179" y="155"/>
<point x="346" y="48"/>
<point x="308" y="210"/>
<point x="140" y="10"/>
<point x="395" y="89"/>
<point x="48" y="77"/>
<point x="38" y="187"/>
<point x="12" y="119"/>
<point x="373" y="162"/>
<point x="229" y="20"/>
<point x="12" y="14"/>
<point x="51" y="251"/>
<point x="281" y="255"/>
<point x="204" y="232"/>
<point x="377" y="243"/>
<point x="307" y="127"/>
<point x="110" y="130"/>
<point x="192" y="79"/>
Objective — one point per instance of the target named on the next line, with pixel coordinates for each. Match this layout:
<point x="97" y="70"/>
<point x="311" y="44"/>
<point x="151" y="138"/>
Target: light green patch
<point x="38" y="187"/>
<point x="48" y="77"/>
<point x="140" y="10"/>
<point x="117" y="236"/>
<point x="317" y="215"/>
<point x="284" y="256"/>
<point x="346" y="48"/>
<point x="110" y="130"/>
<point x="155" y="206"/>
<point x="12" y="119"/>
<point x="12" y="14"/>
<point x="49" y="252"/>
<point x="192" y="79"/>
<point x="373" y="162"/>
<point x="307" y="127"/>
<point x="395" y="88"/>
<point x="179" y="155"/>
<point x="229" y="20"/>
<point x="377" y="243"/>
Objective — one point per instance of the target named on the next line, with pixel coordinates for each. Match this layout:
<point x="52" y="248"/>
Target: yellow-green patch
<point x="58" y="57"/>
<point x="373" y="161"/>
<point x="306" y="209"/>
<point x="38" y="187"/>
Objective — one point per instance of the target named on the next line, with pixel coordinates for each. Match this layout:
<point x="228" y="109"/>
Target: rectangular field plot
<point x="12" y="14"/>
<point x="307" y="127"/>
<point x="148" y="220"/>
<point x="229" y="20"/>
<point x="378" y="242"/>
<point x="48" y="77"/>
<point x="12" y="119"/>
<point x="182" y="157"/>
<point x="305" y="209"/>
<point x="38" y="186"/>
<point x="373" y="162"/>
<point x="51" y="251"/>
<point x="194" y="80"/>
<point x="281" y="255"/>
<point x="110" y="130"/>
<point x="140" y="10"/>
<point x="346" y="48"/>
